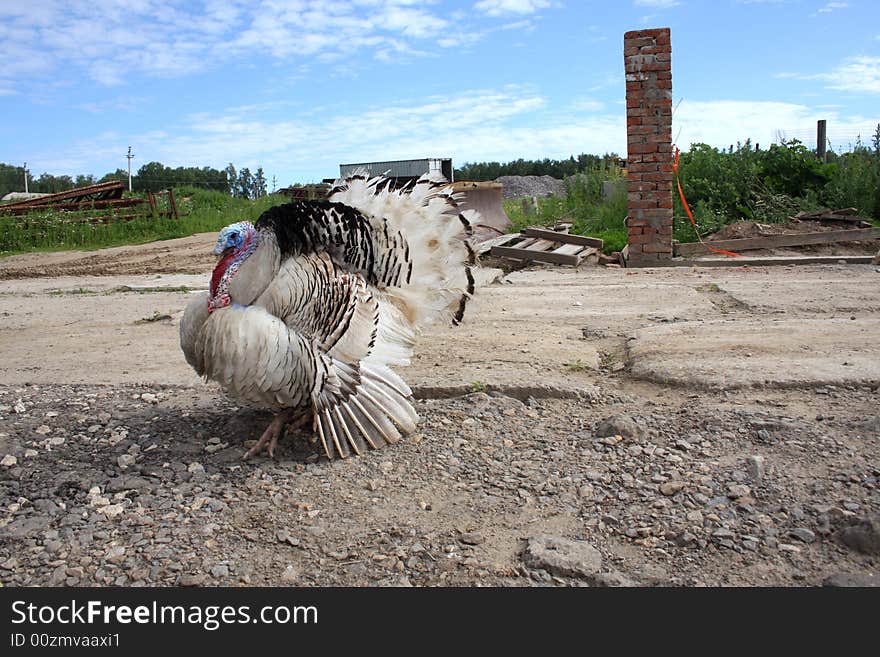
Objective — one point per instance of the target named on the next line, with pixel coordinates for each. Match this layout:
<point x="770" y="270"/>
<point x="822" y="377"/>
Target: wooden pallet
<point x="542" y="245"/>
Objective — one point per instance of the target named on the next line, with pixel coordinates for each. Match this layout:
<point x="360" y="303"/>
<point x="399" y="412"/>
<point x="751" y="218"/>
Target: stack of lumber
<point x="543" y="245"/>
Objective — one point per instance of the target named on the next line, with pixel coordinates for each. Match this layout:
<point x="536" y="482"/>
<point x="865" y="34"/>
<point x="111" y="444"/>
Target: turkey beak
<point x="220" y="249"/>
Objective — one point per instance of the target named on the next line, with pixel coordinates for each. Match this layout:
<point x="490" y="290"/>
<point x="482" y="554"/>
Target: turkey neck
<point x="256" y="271"/>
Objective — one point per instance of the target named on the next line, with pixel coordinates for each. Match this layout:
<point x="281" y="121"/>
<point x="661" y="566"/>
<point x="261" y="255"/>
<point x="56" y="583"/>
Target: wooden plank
<point x="526" y="243"/>
<point x="569" y="249"/>
<point x="774" y="241"/>
<point x="501" y="240"/>
<point x="543" y="245"/>
<point x="777" y="260"/>
<point x="563" y="237"/>
<point x="538" y="256"/>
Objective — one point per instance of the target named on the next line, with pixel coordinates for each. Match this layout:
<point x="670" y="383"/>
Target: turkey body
<point x="309" y="309"/>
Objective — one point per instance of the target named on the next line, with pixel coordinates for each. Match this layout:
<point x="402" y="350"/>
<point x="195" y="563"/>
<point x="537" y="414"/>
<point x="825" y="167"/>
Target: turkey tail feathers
<point x="378" y="412"/>
<point x="420" y="236"/>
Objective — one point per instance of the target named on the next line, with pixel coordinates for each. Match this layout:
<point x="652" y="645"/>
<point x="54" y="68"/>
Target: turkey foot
<point x="269" y="439"/>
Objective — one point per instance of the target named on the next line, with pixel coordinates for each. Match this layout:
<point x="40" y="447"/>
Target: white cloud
<point x="725" y="122"/>
<point x="828" y="8"/>
<point x="501" y="7"/>
<point x="860" y="74"/>
<point x="115" y="40"/>
<point x="490" y="124"/>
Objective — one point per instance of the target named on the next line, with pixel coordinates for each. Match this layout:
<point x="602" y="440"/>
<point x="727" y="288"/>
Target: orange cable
<point x="691" y="216"/>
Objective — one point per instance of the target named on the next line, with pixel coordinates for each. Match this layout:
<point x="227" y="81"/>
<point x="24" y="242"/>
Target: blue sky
<point x="300" y="86"/>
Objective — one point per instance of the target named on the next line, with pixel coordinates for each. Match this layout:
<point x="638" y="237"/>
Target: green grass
<point x="200" y="211"/>
<point x="583" y="205"/>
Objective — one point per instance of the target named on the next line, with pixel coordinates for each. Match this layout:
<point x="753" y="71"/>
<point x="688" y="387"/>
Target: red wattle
<point x="219" y="270"/>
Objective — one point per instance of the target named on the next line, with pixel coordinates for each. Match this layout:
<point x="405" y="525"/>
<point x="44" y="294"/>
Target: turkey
<point x="308" y="309"/>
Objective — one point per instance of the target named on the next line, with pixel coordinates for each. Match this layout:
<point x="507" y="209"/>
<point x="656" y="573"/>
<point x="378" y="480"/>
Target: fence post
<point x="821" y="140"/>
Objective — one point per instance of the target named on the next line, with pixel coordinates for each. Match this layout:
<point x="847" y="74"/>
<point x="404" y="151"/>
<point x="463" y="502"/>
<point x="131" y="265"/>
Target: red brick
<point x="639" y="239"/>
<point x="658" y="248"/>
<point x="646" y="149"/>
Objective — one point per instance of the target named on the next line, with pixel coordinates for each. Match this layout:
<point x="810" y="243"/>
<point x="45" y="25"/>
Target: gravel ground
<point x="633" y="484"/>
<point x="519" y="186"/>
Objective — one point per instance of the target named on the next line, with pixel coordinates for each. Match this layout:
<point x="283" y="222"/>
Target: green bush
<point x="583" y="205"/>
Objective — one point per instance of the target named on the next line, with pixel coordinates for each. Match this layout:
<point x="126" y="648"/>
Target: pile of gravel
<point x="519" y="186"/>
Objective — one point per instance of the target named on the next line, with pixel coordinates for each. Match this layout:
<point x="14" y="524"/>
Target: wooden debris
<point x="563" y="237"/>
<point x="486" y="246"/>
<point x="842" y="215"/>
<point x="772" y="260"/>
<point x="542" y="245"/>
<point x="775" y="241"/>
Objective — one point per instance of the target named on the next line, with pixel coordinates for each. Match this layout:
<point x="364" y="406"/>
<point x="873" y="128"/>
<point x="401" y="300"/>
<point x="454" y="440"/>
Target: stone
<point x="471" y="538"/>
<point x="851" y="580"/>
<point x="620" y="425"/>
<point x="613" y="579"/>
<point x="755" y="465"/>
<point x="738" y="490"/>
<point x="220" y="570"/>
<point x="25" y="527"/>
<point x="194" y="579"/>
<point x="8" y="461"/>
<point x="115" y="554"/>
<point x="670" y="488"/>
<point x="862" y="535"/>
<point x="289" y="576"/>
<point x="803" y="534"/>
<point x="562" y="556"/>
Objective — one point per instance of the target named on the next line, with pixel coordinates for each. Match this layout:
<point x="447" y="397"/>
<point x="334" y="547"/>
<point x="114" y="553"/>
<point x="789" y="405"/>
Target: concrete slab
<point x="752" y="352"/>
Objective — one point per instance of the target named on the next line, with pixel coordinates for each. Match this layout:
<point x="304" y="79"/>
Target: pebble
<point x="115" y="554"/>
<point x="620" y="425"/>
<point x="196" y="579"/>
<point x="220" y="571"/>
<point x="471" y="538"/>
<point x="862" y="535"/>
<point x="738" y="490"/>
<point x="670" y="488"/>
<point x="562" y="556"/>
<point x="9" y="460"/>
<point x="755" y="465"/>
<point x="289" y="576"/>
<point x="803" y="534"/>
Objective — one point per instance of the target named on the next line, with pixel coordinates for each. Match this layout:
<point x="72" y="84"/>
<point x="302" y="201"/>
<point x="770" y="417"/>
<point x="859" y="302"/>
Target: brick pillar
<point x="647" y="55"/>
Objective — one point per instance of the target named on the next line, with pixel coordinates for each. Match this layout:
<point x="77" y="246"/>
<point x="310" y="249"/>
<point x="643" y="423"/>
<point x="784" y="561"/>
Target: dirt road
<point x="666" y="426"/>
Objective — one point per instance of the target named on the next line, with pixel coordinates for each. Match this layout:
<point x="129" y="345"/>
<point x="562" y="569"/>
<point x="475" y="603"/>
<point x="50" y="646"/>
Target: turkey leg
<point x="269" y="439"/>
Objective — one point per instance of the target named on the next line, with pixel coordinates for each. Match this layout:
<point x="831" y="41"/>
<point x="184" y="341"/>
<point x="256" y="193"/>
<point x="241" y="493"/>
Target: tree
<point x="245" y="186"/>
<point x="231" y="179"/>
<point x="259" y="183"/>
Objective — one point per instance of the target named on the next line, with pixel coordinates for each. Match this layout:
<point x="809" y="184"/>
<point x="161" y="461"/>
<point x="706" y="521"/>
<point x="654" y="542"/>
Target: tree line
<point x="151" y="177"/>
<point x="561" y="169"/>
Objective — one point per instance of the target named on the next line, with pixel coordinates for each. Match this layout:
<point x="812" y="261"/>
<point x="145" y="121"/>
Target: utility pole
<point x="129" y="156"/>
<point x="273" y="184"/>
<point x="25" y="178"/>
<point x="821" y="140"/>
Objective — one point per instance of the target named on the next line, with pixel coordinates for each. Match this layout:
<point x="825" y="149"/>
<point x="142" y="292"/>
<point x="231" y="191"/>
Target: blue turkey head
<point x="233" y="236"/>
